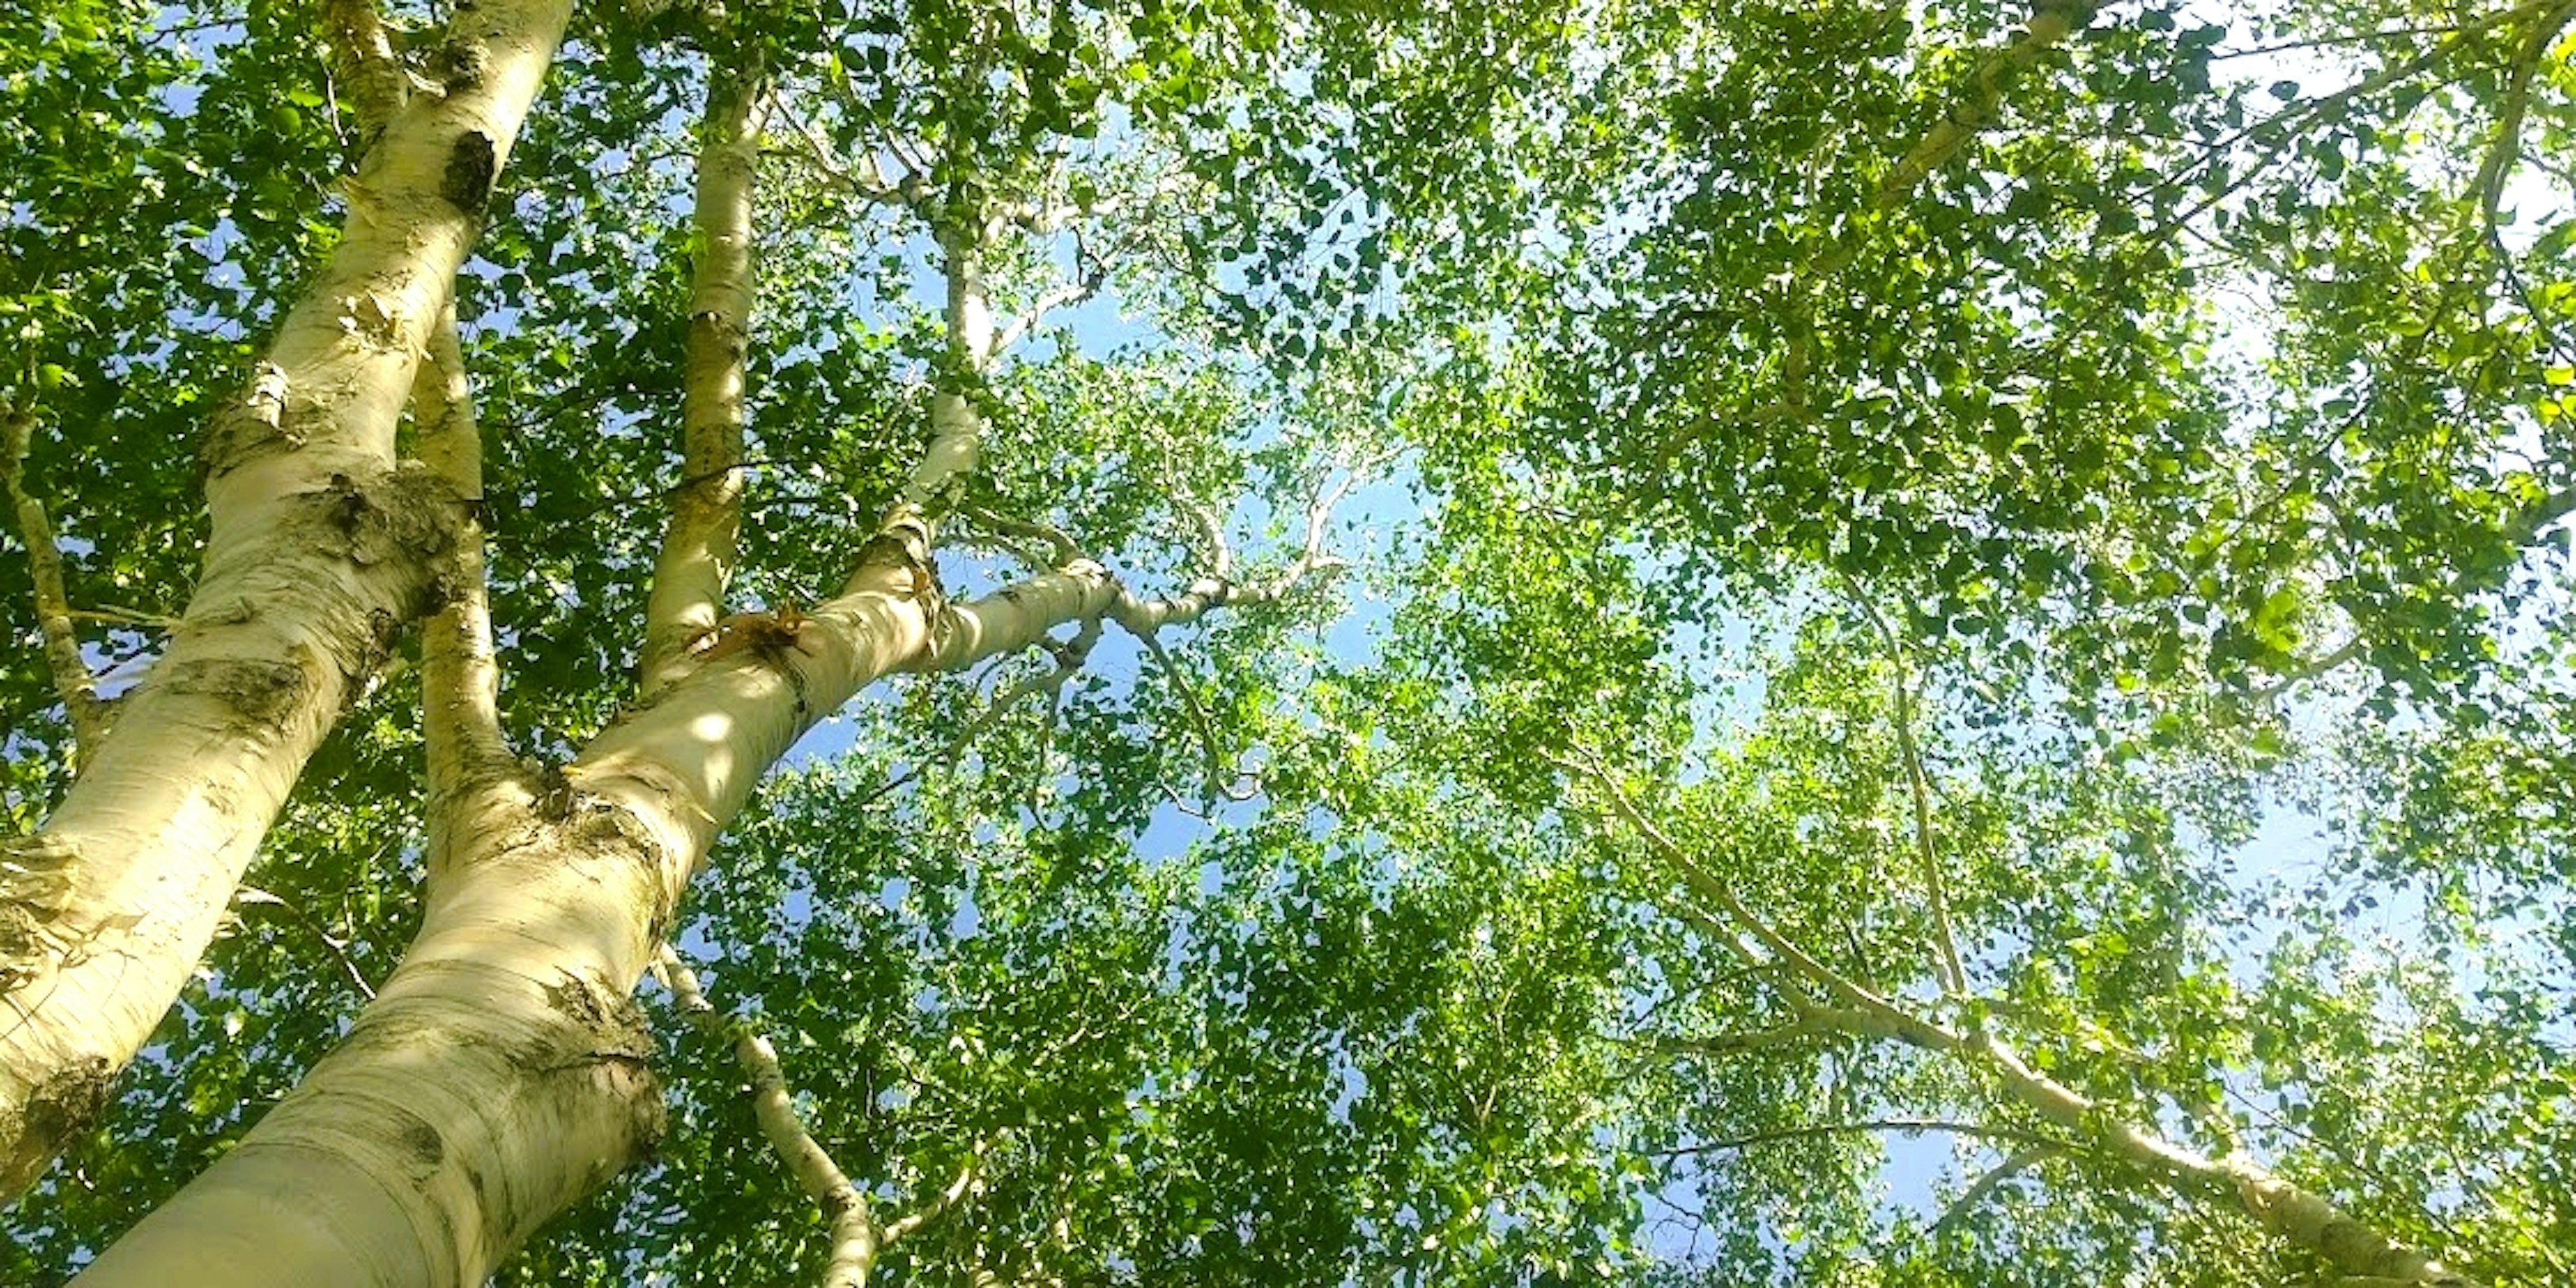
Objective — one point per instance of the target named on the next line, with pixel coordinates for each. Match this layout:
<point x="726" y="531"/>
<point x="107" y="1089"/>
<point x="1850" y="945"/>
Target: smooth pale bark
<point x="320" y="549"/>
<point x="500" y="1075"/>
<point x="699" y="544"/>
<point x="956" y="427"/>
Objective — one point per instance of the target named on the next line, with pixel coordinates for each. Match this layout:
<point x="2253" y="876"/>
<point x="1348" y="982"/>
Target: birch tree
<point x="1886" y="501"/>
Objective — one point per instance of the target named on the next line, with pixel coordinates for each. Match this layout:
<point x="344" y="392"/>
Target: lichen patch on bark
<point x="261" y="691"/>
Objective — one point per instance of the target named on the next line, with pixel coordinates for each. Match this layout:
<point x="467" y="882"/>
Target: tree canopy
<point x="980" y="642"/>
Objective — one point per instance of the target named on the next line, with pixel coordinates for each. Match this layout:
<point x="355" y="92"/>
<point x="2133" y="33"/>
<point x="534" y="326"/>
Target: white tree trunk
<point x="321" y="549"/>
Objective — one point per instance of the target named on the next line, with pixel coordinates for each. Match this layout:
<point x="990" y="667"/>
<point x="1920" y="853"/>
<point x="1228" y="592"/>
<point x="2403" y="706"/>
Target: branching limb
<point x="1069" y="658"/>
<point x="2291" y="1212"/>
<point x="1954" y="975"/>
<point x="1883" y="1017"/>
<point x="873" y="185"/>
<point x="948" y="1197"/>
<point x="1091" y="272"/>
<point x="858" y="1240"/>
<point x="72" y="679"/>
<point x="2021" y="1160"/>
<point x="1221" y="780"/>
<point x="701" y="544"/>
<point x="2051" y="22"/>
<point x="1062" y="550"/>
<point x="2496" y="169"/>
<point x="1064" y="296"/>
<point x="2310" y="669"/>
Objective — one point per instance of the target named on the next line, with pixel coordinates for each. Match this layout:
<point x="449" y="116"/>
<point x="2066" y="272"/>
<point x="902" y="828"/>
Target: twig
<point x="1064" y="550"/>
<point x="1219" y="782"/>
<point x="338" y="948"/>
<point x="1881" y="1016"/>
<point x="111" y="615"/>
<point x="1906" y="1126"/>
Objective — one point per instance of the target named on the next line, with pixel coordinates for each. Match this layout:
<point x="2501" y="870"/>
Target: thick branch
<point x="956" y="425"/>
<point x="2296" y="1215"/>
<point x="460" y="674"/>
<point x="700" y="546"/>
<point x="72" y="679"/>
<point x="2022" y="1160"/>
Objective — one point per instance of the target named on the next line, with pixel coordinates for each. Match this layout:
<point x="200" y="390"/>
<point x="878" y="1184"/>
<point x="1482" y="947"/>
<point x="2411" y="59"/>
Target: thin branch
<point x="71" y="674"/>
<point x="1063" y="296"/>
<point x="876" y="187"/>
<point x="1813" y="1022"/>
<point x="1063" y="550"/>
<point x="857" y="1240"/>
<point x="1884" y="1017"/>
<point x="2051" y="22"/>
<point x="2311" y="669"/>
<point x="1903" y="1126"/>
<point x="1220" y="782"/>
<point x="1954" y="976"/>
<point x="1069" y="657"/>
<point x="2022" y="1160"/>
<point x="338" y="948"/>
<point x="947" y="1198"/>
<point x="2497" y="167"/>
<point x="111" y="615"/>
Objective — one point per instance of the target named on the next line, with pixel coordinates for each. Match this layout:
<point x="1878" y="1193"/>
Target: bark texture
<point x="699" y="544"/>
<point x="321" y="548"/>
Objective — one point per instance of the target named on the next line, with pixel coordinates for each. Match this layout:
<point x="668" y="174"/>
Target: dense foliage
<point x="2052" y="517"/>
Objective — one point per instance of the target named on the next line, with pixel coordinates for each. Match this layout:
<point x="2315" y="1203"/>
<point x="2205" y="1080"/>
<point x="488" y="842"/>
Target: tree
<point x="1876" y="354"/>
